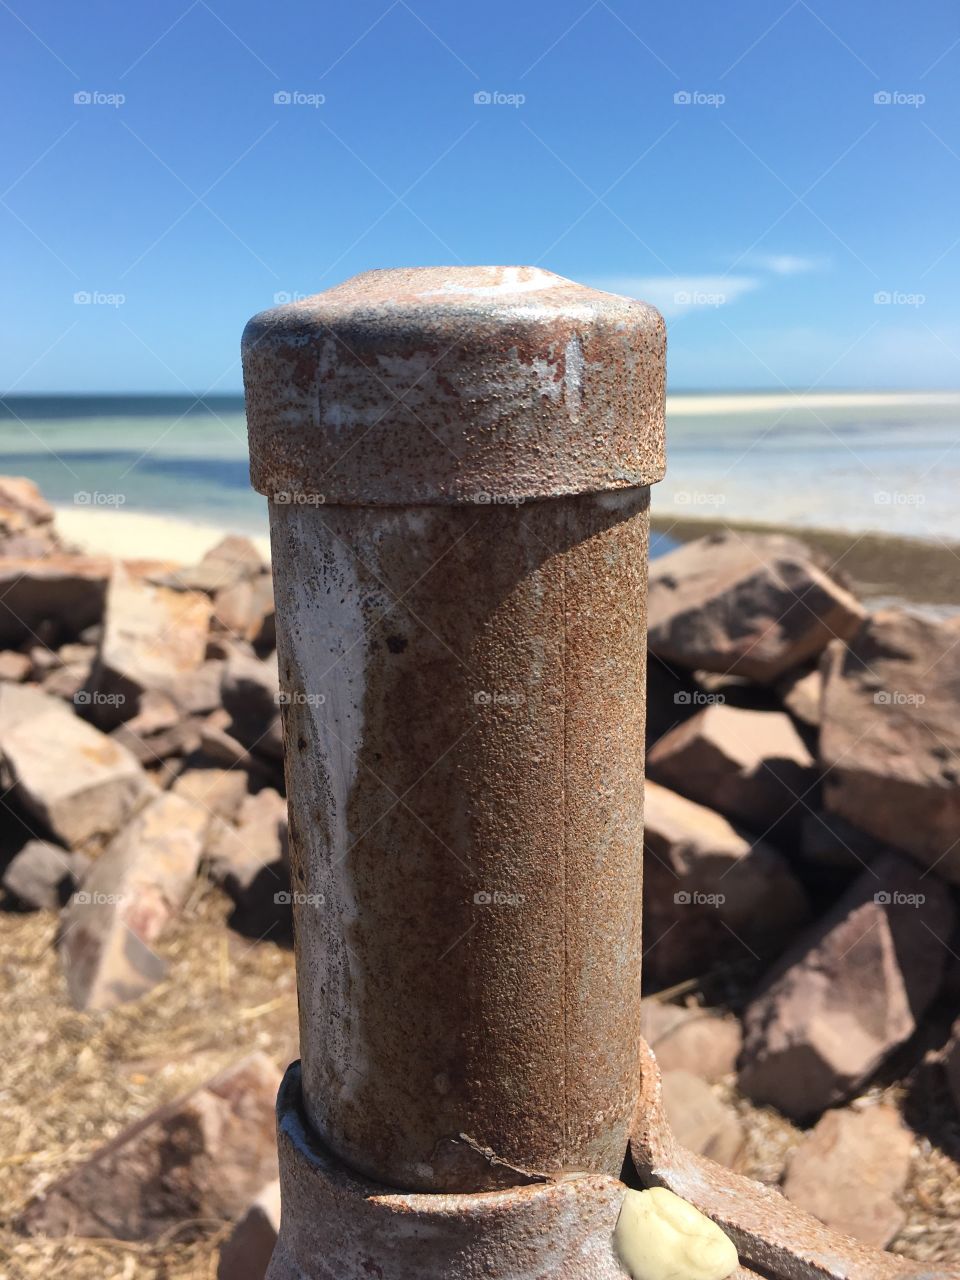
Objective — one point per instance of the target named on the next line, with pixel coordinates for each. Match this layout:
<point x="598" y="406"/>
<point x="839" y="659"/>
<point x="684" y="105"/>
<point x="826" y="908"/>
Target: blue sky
<point x="765" y="215"/>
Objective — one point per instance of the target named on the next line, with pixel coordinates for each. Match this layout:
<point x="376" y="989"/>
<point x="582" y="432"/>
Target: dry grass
<point x="72" y="1081"/>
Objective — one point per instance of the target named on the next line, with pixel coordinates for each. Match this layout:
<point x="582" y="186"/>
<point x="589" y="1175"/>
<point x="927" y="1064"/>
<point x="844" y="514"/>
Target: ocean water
<point x="887" y="462"/>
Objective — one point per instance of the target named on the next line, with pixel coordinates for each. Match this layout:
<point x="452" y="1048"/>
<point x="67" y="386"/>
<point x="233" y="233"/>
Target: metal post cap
<point x="438" y="385"/>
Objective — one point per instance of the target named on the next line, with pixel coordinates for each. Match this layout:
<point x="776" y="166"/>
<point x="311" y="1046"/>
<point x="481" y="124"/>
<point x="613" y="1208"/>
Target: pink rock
<point x="699" y="1120"/>
<point x="74" y="780"/>
<point x="711" y="892"/>
<point x="849" y="1168"/>
<point x="890" y="740"/>
<point x="152" y="637"/>
<point x="204" y="1156"/>
<point x="245" y="1254"/>
<point x="851" y="990"/>
<point x="56" y="591"/>
<point x="700" y="1041"/>
<point x="133" y="889"/>
<point x="746" y="605"/>
<point x="749" y="765"/>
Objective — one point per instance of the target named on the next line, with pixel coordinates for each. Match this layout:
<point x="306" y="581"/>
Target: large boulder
<point x="56" y="593"/>
<point x="890" y="738"/>
<point x="127" y="898"/>
<point x="67" y="775"/>
<point x="848" y="1169"/>
<point x="752" y="766"/>
<point x="203" y="1157"/>
<point x="152" y="637"/>
<point x="711" y="892"/>
<point x="747" y="605"/>
<point x="849" y="992"/>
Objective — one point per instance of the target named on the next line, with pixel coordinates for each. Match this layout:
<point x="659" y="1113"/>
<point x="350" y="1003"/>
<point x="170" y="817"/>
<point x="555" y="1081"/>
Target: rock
<point x="233" y="560"/>
<point x="197" y="692"/>
<point x="245" y="1254"/>
<point x="746" y="605"/>
<point x="250" y="692"/>
<point x="711" y="892"/>
<point x="58" y="592"/>
<point x="951" y="1064"/>
<point x="14" y="666"/>
<point x="42" y="876"/>
<point x="23" y="508"/>
<point x="849" y="1168"/>
<point x="76" y="781"/>
<point x="700" y="1041"/>
<point x="890" y="740"/>
<point x="830" y="843"/>
<point x="220" y="791"/>
<point x="699" y="1120"/>
<point x="129" y="895"/>
<point x="204" y="1156"/>
<point x="246" y="610"/>
<point x="152" y="637"/>
<point x="159" y="730"/>
<point x="750" y="765"/>
<point x="849" y="992"/>
<point x="249" y="862"/>
<point x="801" y="694"/>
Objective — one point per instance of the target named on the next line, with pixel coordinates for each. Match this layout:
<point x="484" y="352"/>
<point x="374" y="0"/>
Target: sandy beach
<point x="141" y="535"/>
<point x="693" y="404"/>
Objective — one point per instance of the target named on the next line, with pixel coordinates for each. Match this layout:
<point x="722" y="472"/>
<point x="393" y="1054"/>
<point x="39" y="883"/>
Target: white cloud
<point x="676" y="295"/>
<point x="785" y="264"/>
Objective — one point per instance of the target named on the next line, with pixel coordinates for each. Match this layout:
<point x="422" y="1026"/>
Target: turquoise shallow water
<point x="892" y="465"/>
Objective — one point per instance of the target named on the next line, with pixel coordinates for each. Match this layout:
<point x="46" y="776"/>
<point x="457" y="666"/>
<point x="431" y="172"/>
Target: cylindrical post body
<point x="462" y="671"/>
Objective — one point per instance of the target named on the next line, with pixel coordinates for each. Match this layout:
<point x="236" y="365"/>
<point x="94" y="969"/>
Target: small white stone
<point x="661" y="1237"/>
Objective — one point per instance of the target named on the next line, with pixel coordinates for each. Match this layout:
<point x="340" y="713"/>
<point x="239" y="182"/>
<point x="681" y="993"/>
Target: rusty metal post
<point x="457" y="462"/>
<point x="458" y="465"/>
